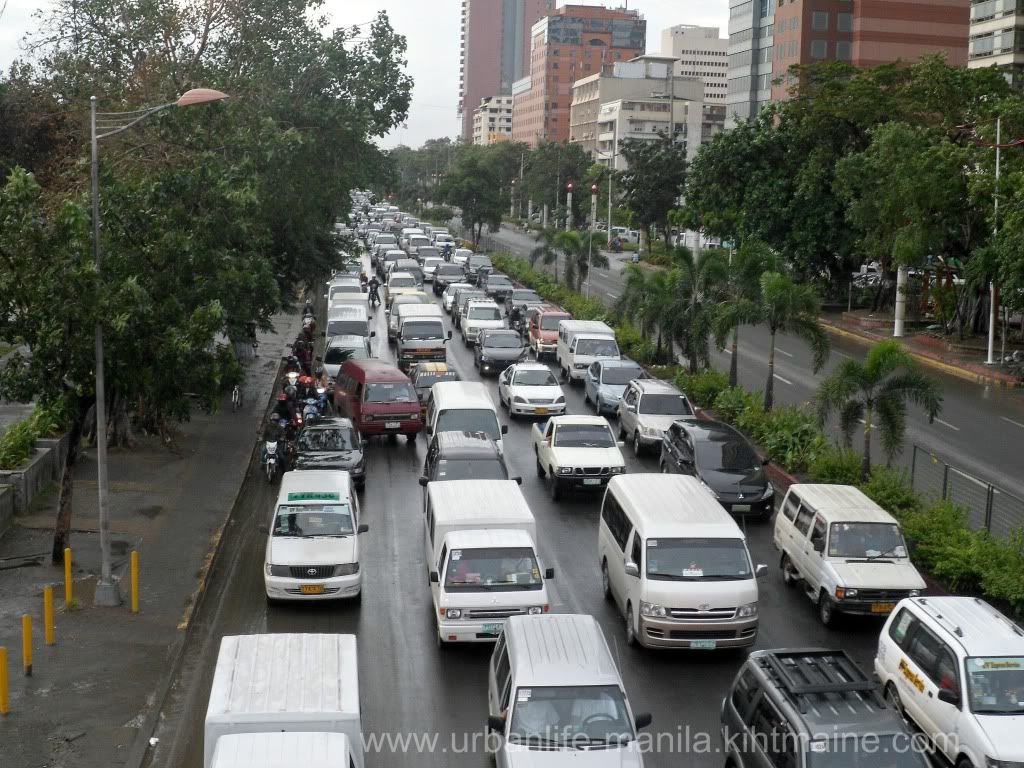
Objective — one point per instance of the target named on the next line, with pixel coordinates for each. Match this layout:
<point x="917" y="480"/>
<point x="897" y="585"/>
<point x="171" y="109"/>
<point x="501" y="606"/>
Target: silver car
<point x="606" y="381"/>
<point x="649" y="407"/>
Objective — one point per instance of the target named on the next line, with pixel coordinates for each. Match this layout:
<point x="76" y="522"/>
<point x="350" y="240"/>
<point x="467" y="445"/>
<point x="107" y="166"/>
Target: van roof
<point x="375" y="369"/>
<point x="314" y="481"/>
<point x="483" y="501"/>
<point x="559" y="649"/>
<point x="462" y="394"/>
<point x="281" y="749"/>
<point x="284" y="677"/>
<point x="411" y="309"/>
<point x="584" y="326"/>
<point x="979" y="628"/>
<point x="484" y="537"/>
<point x="346" y="310"/>
<point x="841" y="502"/>
<point x="672" y="506"/>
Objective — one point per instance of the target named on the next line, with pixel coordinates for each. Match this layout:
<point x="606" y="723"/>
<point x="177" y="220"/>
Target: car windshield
<point x="870" y="540"/>
<point x="494" y="569"/>
<point x="620" y="376"/>
<point x="665" y="405"/>
<point x="469" y="420"/>
<point x="408" y="298"/>
<point x="397" y="392"/>
<point x="479" y="262"/>
<point x="422" y="329"/>
<point x="484" y="313"/>
<point x="550" y="322"/>
<point x="520" y="296"/>
<point x="310" y="520"/>
<point x="327" y="439"/>
<point x="597" y="347"/>
<point x="432" y="261"/>
<point x="570" y="716"/>
<point x="584" y="436"/>
<point x="887" y="750"/>
<point x="996" y="684"/>
<point x="697" y="560"/>
<point x="496" y="281"/>
<point x="448" y="270"/>
<point x="502" y="341"/>
<point x="428" y="251"/>
<point x="471" y="469"/>
<point x="534" y="377"/>
<point x="402" y="282"/>
<point x="338" y="355"/>
<point x="346" y="328"/>
<point x="419" y="240"/>
<point x="726" y="452"/>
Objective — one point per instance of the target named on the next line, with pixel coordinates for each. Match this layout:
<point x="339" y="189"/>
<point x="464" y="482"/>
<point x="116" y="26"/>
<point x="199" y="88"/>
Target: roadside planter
<point x="31" y="478"/>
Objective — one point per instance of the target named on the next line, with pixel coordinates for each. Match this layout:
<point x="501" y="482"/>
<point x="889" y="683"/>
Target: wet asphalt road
<point x="407" y="685"/>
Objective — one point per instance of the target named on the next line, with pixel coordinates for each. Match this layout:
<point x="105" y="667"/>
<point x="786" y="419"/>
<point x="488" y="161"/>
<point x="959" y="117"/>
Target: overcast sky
<point x="432" y="30"/>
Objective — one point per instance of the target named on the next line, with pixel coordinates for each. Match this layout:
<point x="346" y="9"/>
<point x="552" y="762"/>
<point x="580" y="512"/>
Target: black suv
<point x="464" y="456"/>
<point x="812" y="708"/>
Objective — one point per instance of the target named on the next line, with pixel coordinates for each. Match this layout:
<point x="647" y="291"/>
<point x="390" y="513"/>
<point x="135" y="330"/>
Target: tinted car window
<point x="620" y="376"/>
<point x="330" y="439"/>
<point x="726" y="453"/>
<point x="470" y="469"/>
<point x="398" y="392"/>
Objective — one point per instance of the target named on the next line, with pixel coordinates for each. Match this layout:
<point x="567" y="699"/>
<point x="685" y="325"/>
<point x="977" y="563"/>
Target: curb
<point x="928" y="360"/>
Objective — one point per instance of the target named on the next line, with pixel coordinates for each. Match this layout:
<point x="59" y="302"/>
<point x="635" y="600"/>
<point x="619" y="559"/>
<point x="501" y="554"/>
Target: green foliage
<point x="942" y="544"/>
<point x="836" y="466"/>
<point x="17" y="443"/>
<point x="734" y="401"/>
<point x="702" y="388"/>
<point x="654" y="180"/>
<point x="890" y="489"/>
<point x="51" y="420"/>
<point x="634" y="344"/>
<point x="1002" y="570"/>
<point x="789" y="435"/>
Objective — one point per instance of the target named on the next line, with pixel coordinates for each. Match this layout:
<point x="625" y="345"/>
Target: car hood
<point x="502" y="353"/>
<point x="657" y="422"/>
<point x="621" y="757"/>
<point x="751" y="482"/>
<point x="328" y="459"/>
<point x="320" y="550"/>
<point x="1003" y="732"/>
<point x="536" y="393"/>
<point x="474" y="323"/>
<point x="589" y="457"/>
<point x="877" y="575"/>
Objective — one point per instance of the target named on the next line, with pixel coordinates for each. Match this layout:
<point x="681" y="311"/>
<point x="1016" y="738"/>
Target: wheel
<point x="411" y="437"/>
<point x="637" y="447"/>
<point x="630" y="631"/>
<point x="826" y="610"/>
<point x="893" y="697"/>
<point x="586" y="395"/>
<point x="606" y="584"/>
<point x="789" y="577"/>
<point x="556" y="492"/>
<point x="622" y="432"/>
<point x="664" y="468"/>
<point x="540" y="470"/>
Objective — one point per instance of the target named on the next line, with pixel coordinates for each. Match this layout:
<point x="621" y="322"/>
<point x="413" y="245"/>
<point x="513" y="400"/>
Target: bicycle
<point x="236" y="397"/>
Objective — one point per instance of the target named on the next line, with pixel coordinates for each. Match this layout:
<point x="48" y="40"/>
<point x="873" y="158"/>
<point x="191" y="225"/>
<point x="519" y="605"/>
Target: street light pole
<point x="568" y="207"/>
<point x="593" y="228"/>
<point x="992" y="295"/>
<point x="101" y="126"/>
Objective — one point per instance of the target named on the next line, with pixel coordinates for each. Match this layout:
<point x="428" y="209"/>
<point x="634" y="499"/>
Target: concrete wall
<point x="6" y="507"/>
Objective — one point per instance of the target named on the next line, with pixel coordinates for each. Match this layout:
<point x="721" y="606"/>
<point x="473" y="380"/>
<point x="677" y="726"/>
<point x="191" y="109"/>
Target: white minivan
<point x="463" y="406"/>
<point x="482" y="566"/>
<point x="312" y="548"/>
<point x="581" y="343"/>
<point x="676" y="564"/>
<point x="348" y="320"/>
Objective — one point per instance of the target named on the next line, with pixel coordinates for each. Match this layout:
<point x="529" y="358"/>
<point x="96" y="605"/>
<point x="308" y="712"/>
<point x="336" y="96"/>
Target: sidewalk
<point x="89" y="694"/>
<point x="929" y="351"/>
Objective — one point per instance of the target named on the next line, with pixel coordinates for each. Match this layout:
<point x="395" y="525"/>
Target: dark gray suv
<point x="812" y="708"/>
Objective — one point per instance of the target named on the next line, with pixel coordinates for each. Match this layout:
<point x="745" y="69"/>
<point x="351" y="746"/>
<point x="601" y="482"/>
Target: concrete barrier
<point x="59" y="447"/>
<point x="6" y="507"/>
<point x="30" y="479"/>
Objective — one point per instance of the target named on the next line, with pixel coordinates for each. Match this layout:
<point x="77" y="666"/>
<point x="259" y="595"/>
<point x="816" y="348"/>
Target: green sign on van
<point x="313" y="496"/>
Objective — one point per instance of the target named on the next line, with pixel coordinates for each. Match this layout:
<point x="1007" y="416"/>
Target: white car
<point x="649" y="407"/>
<point x="480" y="315"/>
<point x="576" y="453"/>
<point x="449" y="295"/>
<point x="429" y="265"/>
<point x="461" y="256"/>
<point x="530" y="389"/>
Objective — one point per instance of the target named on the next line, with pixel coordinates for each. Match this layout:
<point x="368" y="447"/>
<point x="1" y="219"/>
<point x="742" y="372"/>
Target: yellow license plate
<point x="312" y="589"/>
<point x="541" y="411"/>
<point x="882" y="607"/>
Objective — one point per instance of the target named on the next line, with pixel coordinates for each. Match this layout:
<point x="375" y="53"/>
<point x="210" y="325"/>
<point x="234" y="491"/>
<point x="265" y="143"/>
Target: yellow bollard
<point x="135" y="581"/>
<point x="26" y="644"/>
<point x="48" y="615"/>
<point x="68" y="584"/>
<point x="5" y="701"/>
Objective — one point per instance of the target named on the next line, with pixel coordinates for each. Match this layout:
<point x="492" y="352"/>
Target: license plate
<point x="704" y="645"/>
<point x="492" y="629"/>
<point x="392" y="424"/>
<point x="592" y="481"/>
<point x="312" y="589"/>
<point x="882" y="607"/>
<point x="541" y="411"/>
<point x="740" y="507"/>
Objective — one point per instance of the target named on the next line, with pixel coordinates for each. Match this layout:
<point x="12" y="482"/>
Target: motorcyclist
<point x="284" y="408"/>
<point x="306" y="387"/>
<point x="446" y="251"/>
<point x="374" y="294"/>
<point x="307" y="309"/>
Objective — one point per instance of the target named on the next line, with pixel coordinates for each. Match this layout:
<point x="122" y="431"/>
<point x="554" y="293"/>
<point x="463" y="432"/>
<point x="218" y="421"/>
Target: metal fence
<point x="988" y="506"/>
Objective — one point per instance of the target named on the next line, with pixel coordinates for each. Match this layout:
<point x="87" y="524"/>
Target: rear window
<point x="402" y="282"/>
<point x="346" y="328"/>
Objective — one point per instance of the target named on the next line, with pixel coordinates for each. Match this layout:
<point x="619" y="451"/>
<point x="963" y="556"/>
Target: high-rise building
<point x="492" y="120"/>
<point x="702" y="53"/>
<point x="495" y="47"/>
<point x="569" y="44"/>
<point x="751" y="26"/>
<point x="996" y="26"/>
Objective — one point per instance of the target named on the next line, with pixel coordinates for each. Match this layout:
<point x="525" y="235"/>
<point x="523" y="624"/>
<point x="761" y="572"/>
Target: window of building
<point x="794" y="23"/>
<point x="844" y="22"/>
<point x="843" y="50"/>
<point x="819" y="22"/>
<point x="819" y="49"/>
<point x="794" y="48"/>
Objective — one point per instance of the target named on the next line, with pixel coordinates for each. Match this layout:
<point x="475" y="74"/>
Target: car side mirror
<point x="948" y="696"/>
<point x="760" y="571"/>
<point x="363" y="528"/>
<point x="423" y="481"/>
<point x="495" y="724"/>
<point x="631" y="408"/>
<point x="549" y="573"/>
<point x="632" y="569"/>
<point x="449" y="335"/>
<point x="504" y="429"/>
<point x="434" y="579"/>
<point x="325" y="295"/>
<point x="318" y="359"/>
<point x="642" y="720"/>
<point x="819" y="545"/>
<point x="517" y="480"/>
<point x="264" y="529"/>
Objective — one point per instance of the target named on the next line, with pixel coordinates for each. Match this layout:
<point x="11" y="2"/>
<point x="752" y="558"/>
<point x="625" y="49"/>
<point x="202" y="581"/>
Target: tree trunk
<point x="769" y="387"/>
<point x="734" y="358"/>
<point x="668" y="239"/>
<point x="62" y="525"/>
<point x="865" y="462"/>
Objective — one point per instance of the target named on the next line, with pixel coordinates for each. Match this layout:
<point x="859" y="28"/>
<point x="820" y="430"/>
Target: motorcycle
<point x="310" y="410"/>
<point x="374" y="296"/>
<point x="270" y="459"/>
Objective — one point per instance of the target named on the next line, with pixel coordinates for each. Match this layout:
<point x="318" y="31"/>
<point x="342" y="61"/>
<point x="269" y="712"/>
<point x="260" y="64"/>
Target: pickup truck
<point x="576" y="453"/>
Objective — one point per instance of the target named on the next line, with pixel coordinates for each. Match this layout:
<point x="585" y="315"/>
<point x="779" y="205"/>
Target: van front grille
<point x="312" y="571"/>
<point x="493" y="613"/>
<point x="692" y="614"/>
<point x="594" y="471"/>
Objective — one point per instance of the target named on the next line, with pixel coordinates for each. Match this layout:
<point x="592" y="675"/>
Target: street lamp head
<point x="593" y="189"/>
<point x="569" y="186"/>
<point x="197" y="96"/>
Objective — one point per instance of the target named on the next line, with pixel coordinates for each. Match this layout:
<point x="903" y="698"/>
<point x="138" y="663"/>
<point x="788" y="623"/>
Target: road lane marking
<point x="842" y="354"/>
<point x="784" y="381"/>
<point x="610" y="295"/>
<point x="947" y="424"/>
<point x="1015" y="423"/>
<point x="783" y="352"/>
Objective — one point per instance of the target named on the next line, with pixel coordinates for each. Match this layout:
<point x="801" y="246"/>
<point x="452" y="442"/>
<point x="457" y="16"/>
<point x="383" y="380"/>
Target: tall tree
<point x="653" y="182"/>
<point x="876" y="393"/>
<point x="695" y="284"/>
<point x="579" y="251"/>
<point x="545" y="251"/>
<point x="647" y="300"/>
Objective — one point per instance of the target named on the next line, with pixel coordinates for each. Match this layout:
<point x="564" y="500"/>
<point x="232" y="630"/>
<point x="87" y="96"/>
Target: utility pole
<point x="993" y="295"/>
<point x="593" y="228"/>
<point x="568" y="206"/>
<point x="611" y="174"/>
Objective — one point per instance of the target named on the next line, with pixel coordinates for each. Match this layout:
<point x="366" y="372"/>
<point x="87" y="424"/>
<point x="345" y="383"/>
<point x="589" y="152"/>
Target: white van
<point x="421" y="334"/>
<point x="313" y="539"/>
<point x="555" y="697"/>
<point x="955" y="667"/>
<point x="580" y="343"/>
<point x="479" y="541"/>
<point x="305" y="683"/>
<point x="676" y="564"/>
<point x="348" y="320"/>
<point x="463" y="406"/>
<point x="345" y="289"/>
<point x="846" y="552"/>
<point x="283" y="750"/>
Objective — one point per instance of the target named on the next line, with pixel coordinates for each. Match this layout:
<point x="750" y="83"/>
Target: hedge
<point x="18" y="442"/>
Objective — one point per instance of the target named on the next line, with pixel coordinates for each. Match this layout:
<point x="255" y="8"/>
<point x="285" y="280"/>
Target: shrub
<point x="943" y="546"/>
<point x="789" y="435"/>
<point x="730" y="403"/>
<point x="835" y="465"/>
<point x="1002" y="570"/>
<point x="890" y="490"/>
<point x="664" y="372"/>
<point x="50" y="420"/>
<point x="17" y="444"/>
<point x="703" y="388"/>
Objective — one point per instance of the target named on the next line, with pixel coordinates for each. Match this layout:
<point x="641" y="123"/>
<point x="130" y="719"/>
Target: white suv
<point x="480" y="315"/>
<point x="649" y="407"/>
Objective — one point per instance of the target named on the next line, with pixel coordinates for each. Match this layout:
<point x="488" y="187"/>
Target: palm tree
<point x="545" y="251"/>
<point x="739" y="296"/>
<point x="579" y="250"/>
<point x="694" y="285"/>
<point x="876" y="392"/>
<point x="791" y="308"/>
<point x="646" y="301"/>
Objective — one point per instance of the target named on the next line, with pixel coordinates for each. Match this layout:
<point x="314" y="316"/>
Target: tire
<point x="586" y="395"/>
<point x="622" y="432"/>
<point x="826" y="610"/>
<point x="540" y="470"/>
<point x="893" y="697"/>
<point x="789" y="577"/>
<point x="630" y="633"/>
<point x="556" y="492"/>
<point x="606" y="584"/>
<point x="663" y="468"/>
<point x="411" y="438"/>
<point x="638" y="449"/>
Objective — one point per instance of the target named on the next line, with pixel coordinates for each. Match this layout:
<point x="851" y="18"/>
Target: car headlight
<point x="535" y="610"/>
<point x="746" y="611"/>
<point x="768" y="491"/>
<point x="453" y="613"/>
<point x="650" y="609"/>
<point x="709" y="489"/>
<point x="346" y="569"/>
<point x="579" y="366"/>
<point x="518" y="399"/>
<point x="560" y="400"/>
<point x="914" y="593"/>
<point x="991" y="762"/>
<point x="565" y="470"/>
<point x="618" y="470"/>
<point x="276" y="570"/>
<point x="652" y="431"/>
<point x="842" y="593"/>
